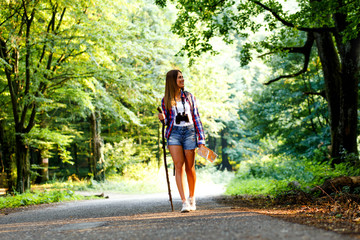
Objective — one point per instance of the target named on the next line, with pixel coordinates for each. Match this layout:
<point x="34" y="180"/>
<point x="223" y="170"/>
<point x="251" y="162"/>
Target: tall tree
<point x="330" y="25"/>
<point x="39" y="41"/>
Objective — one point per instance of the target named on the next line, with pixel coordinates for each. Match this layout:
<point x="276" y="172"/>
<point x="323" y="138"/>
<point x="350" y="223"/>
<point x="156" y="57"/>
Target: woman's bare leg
<point x="177" y="154"/>
<point x="190" y="170"/>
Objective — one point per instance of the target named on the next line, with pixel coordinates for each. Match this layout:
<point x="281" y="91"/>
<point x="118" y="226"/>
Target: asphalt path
<point x="150" y="217"/>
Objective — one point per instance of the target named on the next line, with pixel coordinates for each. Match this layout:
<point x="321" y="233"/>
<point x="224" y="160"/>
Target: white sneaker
<point x="192" y="203"/>
<point x="185" y="207"/>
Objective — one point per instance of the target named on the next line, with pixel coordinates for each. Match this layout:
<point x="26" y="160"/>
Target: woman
<point x="183" y="127"/>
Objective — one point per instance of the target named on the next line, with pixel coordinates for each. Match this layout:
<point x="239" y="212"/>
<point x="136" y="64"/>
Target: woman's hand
<point x="201" y="145"/>
<point x="161" y="116"/>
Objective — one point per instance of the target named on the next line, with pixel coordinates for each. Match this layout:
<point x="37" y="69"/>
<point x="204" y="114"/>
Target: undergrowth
<point x="149" y="182"/>
<point x="38" y="197"/>
<point x="272" y="175"/>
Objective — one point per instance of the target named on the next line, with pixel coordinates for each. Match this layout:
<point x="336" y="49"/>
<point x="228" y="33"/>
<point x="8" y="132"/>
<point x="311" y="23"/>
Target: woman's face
<point x="180" y="80"/>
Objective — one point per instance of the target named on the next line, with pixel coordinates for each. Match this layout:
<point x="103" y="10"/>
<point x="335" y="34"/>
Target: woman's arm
<point x="163" y="115"/>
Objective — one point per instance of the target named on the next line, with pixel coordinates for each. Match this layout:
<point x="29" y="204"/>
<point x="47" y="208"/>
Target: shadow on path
<point x="150" y="217"/>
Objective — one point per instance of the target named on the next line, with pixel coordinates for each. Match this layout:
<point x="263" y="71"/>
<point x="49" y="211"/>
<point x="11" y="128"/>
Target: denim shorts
<point x="184" y="136"/>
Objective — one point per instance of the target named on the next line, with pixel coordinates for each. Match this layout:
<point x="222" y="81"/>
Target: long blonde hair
<point x="171" y="88"/>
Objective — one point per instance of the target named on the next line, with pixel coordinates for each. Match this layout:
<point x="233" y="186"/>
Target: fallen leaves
<point x="340" y="214"/>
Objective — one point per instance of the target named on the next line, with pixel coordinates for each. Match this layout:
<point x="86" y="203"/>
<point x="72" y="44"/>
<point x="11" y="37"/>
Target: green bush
<point x="272" y="174"/>
<point x="37" y="197"/>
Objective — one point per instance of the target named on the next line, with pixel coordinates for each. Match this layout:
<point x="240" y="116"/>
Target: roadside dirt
<point x="341" y="215"/>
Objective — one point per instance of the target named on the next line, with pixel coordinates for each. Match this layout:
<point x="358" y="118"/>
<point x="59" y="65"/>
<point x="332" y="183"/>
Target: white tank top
<point x="180" y="109"/>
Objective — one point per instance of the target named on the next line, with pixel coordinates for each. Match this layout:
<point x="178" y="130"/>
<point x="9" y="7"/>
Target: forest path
<point x="149" y="217"/>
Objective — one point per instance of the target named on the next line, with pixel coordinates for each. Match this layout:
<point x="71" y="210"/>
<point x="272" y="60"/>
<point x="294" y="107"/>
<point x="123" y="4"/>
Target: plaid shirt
<point x="170" y="118"/>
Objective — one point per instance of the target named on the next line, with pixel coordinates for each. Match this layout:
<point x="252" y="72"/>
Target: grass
<point x="38" y="197"/>
<point x="251" y="186"/>
<point x="152" y="182"/>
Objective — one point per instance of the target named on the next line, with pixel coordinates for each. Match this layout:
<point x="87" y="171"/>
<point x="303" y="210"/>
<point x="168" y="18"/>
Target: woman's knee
<point x="189" y="168"/>
<point x="179" y="166"/>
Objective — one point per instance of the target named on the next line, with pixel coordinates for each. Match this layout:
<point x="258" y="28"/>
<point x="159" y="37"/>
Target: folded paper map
<point x="207" y="153"/>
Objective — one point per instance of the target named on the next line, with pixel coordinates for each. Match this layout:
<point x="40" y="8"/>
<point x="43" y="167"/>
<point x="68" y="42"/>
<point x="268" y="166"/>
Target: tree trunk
<point x="5" y="155"/>
<point x="349" y="52"/>
<point x="331" y="70"/>
<point x="97" y="159"/>
<point x="23" y="165"/>
<point x="76" y="159"/>
<point x="35" y="159"/>
<point x="212" y="143"/>
<point x="44" y="171"/>
<point x="138" y="130"/>
<point x="341" y="87"/>
<point x="350" y="58"/>
<point x="225" y="164"/>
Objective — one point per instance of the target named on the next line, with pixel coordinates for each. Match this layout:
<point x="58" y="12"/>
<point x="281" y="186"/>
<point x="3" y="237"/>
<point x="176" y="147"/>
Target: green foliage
<point x="250" y="186"/>
<point x="147" y="180"/>
<point x="211" y="175"/>
<point x="201" y="21"/>
<point x="126" y="158"/>
<point x="272" y="175"/>
<point x="46" y="140"/>
<point x="291" y="112"/>
<point x="38" y="197"/>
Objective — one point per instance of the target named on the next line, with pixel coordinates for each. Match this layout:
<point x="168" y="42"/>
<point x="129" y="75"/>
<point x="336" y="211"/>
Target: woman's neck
<point x="178" y="94"/>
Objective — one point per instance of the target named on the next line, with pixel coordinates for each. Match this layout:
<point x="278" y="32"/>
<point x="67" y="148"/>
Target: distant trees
<point x="38" y="42"/>
<point x="63" y="64"/>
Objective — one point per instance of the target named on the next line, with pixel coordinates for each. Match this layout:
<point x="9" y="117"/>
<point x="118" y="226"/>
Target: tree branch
<point x="32" y="118"/>
<point x="283" y="49"/>
<point x="8" y="18"/>
<point x="60" y="21"/>
<point x="321" y="93"/>
<point x="306" y="50"/>
<point x="285" y="76"/>
<point x="47" y="31"/>
<point x="13" y="96"/>
<point x="27" y="62"/>
<point x="216" y="4"/>
<point x="4" y="89"/>
<point x="289" y="24"/>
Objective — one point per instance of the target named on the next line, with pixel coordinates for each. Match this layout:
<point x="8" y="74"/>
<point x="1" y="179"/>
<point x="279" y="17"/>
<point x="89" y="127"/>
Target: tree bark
<point x="76" y="159"/>
<point x="349" y="52"/>
<point x="97" y="159"/>
<point x="44" y="171"/>
<point x="5" y="155"/>
<point x="225" y="164"/>
<point x="23" y="165"/>
<point x="331" y="70"/>
<point x="212" y="143"/>
<point x="341" y="74"/>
